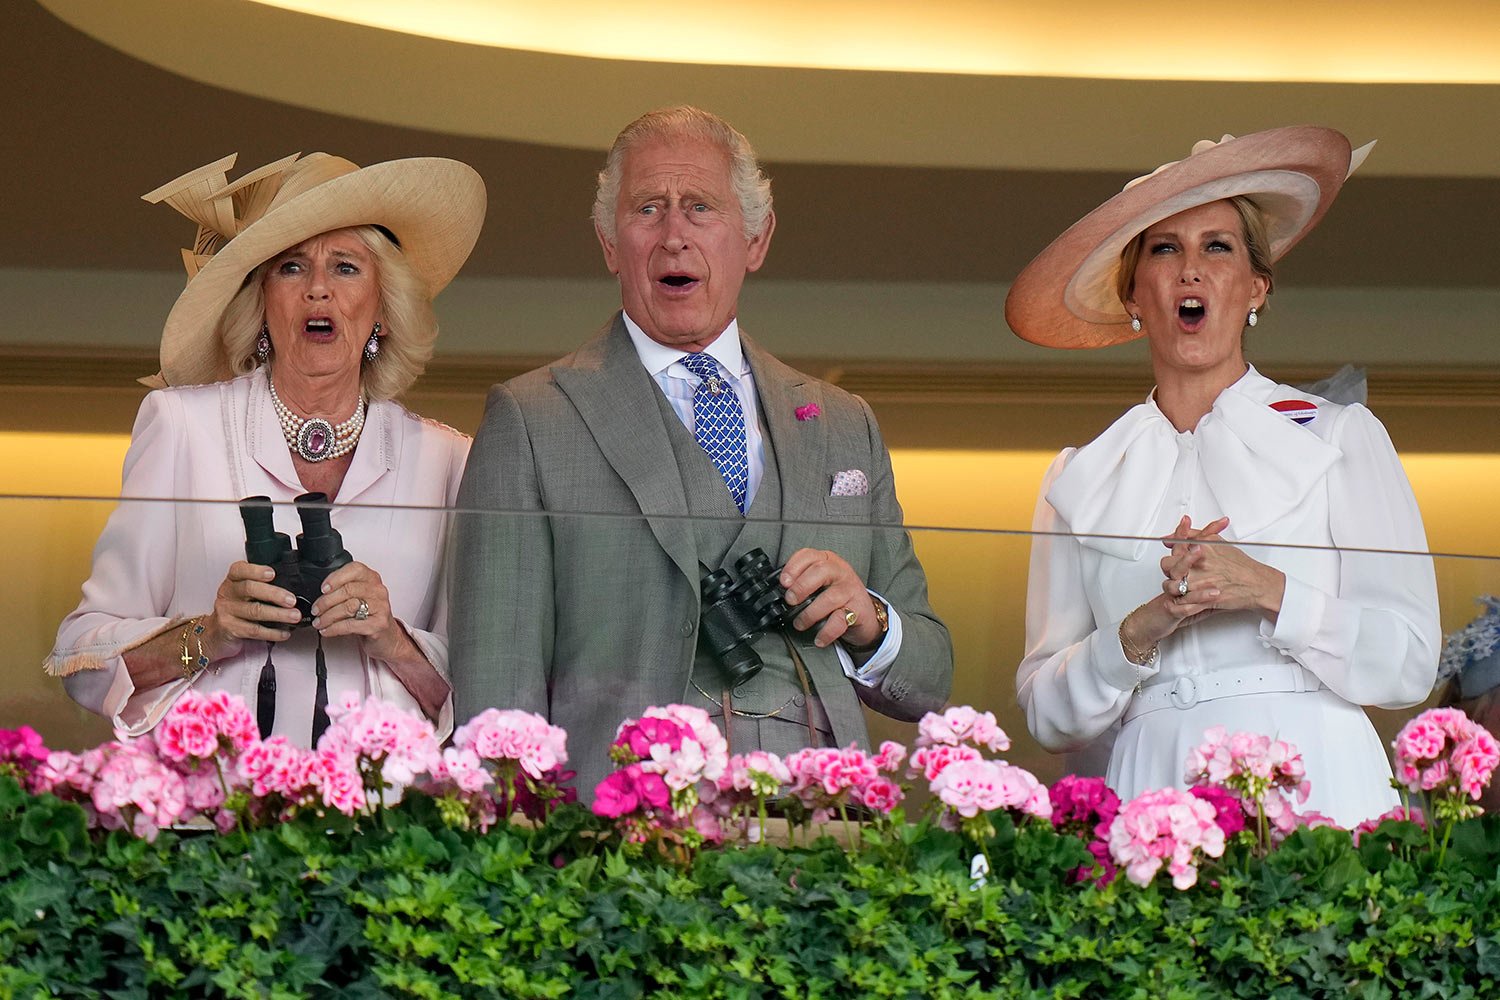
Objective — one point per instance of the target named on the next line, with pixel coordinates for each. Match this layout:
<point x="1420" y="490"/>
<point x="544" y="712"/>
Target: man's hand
<point x="839" y="590"/>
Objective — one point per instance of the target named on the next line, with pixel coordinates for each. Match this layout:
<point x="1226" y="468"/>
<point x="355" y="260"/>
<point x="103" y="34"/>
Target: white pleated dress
<point x="1356" y="628"/>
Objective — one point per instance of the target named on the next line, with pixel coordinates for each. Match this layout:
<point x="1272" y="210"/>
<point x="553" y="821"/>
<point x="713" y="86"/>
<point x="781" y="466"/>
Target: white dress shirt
<point x="664" y="365"/>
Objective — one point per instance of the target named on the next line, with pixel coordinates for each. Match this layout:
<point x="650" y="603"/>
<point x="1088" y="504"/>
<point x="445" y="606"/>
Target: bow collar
<point x="1259" y="464"/>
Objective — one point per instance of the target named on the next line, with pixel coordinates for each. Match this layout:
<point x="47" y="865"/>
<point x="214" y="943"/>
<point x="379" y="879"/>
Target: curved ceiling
<point x="1085" y="38"/>
<point x="990" y="84"/>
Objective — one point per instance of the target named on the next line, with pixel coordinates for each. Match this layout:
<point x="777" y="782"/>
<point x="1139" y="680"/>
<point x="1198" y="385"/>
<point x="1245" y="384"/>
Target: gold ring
<point x="850" y="618"/>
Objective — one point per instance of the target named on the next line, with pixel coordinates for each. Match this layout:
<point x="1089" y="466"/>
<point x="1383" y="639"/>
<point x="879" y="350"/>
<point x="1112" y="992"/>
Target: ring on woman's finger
<point x="1182" y="586"/>
<point x="362" y="612"/>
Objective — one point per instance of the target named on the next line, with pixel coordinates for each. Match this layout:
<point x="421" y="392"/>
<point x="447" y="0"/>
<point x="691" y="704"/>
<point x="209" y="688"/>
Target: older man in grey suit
<point x="712" y="447"/>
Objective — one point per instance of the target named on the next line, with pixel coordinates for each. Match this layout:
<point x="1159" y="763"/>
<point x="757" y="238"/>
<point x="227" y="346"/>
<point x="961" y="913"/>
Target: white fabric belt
<point x="1185" y="691"/>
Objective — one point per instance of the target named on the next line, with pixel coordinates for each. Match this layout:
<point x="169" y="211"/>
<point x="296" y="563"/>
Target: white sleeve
<point x="1074" y="681"/>
<point x="1376" y="641"/>
<point x="132" y="585"/>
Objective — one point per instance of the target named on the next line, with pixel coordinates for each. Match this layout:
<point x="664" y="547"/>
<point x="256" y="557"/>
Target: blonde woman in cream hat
<point x="1160" y="643"/>
<point x="307" y="310"/>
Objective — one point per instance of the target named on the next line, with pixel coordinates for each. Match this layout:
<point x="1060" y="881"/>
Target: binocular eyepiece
<point x="736" y="613"/>
<point x="319" y="550"/>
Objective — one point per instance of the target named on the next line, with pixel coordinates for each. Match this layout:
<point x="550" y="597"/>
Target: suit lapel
<point x="799" y="445"/>
<point x="613" y="394"/>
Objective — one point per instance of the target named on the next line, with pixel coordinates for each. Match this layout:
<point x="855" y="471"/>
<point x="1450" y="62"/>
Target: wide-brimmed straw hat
<point x="1066" y="297"/>
<point x="433" y="207"/>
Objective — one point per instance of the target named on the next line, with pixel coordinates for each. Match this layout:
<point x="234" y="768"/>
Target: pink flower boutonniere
<point x="809" y="411"/>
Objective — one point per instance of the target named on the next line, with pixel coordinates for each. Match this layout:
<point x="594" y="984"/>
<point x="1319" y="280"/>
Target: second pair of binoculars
<point x="737" y="612"/>
<point x="320" y="549"/>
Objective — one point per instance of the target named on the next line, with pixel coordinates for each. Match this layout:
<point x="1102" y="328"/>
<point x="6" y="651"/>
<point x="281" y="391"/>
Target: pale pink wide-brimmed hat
<point x="433" y="207"/>
<point x="1066" y="296"/>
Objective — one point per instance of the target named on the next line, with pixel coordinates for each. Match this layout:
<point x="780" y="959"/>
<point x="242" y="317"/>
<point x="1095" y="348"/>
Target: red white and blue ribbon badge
<point x="1300" y="411"/>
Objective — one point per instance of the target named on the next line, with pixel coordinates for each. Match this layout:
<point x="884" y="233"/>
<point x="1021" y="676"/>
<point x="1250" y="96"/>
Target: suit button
<point x="740" y="691"/>
<point x="687" y="627"/>
<point x="799" y="700"/>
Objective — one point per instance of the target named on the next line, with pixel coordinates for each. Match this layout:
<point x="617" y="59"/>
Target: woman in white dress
<point x="1141" y="617"/>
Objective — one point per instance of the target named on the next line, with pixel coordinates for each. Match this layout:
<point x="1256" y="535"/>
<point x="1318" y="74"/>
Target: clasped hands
<point x="1202" y="575"/>
<point x="838" y="589"/>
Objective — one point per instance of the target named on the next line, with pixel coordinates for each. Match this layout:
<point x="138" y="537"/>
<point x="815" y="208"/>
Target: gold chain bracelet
<point x="193" y="663"/>
<point x="1133" y="653"/>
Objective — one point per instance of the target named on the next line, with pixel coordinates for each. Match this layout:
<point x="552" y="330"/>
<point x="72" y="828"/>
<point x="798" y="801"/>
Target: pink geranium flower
<point x="674" y="765"/>
<point x="1165" y="827"/>
<point x="1266" y="776"/>
<point x="960" y="726"/>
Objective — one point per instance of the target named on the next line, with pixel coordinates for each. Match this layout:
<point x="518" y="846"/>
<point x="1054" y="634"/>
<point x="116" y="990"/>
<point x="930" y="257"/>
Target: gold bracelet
<point x="1141" y="658"/>
<point x="193" y="665"/>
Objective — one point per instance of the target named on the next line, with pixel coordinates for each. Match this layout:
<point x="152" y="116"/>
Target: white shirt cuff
<point x="879" y="664"/>
<point x="1302" y="608"/>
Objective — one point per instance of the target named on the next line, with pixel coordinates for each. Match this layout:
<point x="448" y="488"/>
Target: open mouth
<point x="678" y="280"/>
<point x="1191" y="312"/>
<point x="318" y="327"/>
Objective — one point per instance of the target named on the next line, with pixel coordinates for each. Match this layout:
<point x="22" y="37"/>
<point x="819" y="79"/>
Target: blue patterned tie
<point x="719" y="425"/>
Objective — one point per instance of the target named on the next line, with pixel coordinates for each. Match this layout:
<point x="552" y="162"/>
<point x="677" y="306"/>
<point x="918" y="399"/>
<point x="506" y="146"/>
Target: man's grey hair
<point x="751" y="187"/>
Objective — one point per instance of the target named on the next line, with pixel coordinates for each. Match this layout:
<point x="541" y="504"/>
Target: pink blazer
<point x="197" y="450"/>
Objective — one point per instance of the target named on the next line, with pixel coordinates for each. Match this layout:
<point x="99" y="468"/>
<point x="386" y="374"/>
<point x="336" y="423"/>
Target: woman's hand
<point x="349" y="589"/>
<point x="248" y="607"/>
<point x="1203" y="573"/>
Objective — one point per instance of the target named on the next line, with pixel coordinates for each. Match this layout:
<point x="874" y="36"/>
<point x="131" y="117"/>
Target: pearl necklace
<point x="315" y="439"/>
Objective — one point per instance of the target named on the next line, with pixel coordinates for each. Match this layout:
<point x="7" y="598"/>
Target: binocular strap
<point x="265" y="697"/>
<point x="320" y="700"/>
<point x="791" y="647"/>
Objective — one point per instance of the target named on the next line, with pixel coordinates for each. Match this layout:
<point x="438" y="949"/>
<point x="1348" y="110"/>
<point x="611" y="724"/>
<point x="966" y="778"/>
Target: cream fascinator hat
<point x="1066" y="296"/>
<point x="432" y="207"/>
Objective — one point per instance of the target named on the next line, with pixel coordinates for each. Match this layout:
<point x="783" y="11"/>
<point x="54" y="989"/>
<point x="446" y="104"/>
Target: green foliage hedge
<point x="405" y="906"/>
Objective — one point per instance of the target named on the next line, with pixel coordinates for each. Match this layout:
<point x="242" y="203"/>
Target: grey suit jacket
<point x="589" y="620"/>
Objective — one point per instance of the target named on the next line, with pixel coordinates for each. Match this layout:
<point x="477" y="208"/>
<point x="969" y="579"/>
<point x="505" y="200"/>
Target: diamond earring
<point x="372" y="346"/>
<point x="1135" y="323"/>
<point x="1254" y="316"/>
<point x="263" y="345"/>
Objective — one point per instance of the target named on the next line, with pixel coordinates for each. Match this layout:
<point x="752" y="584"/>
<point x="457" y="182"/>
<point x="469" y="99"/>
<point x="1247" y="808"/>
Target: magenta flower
<point x="635" y="740"/>
<point x="1229" y="814"/>
<point x="1082" y="805"/>
<point x="809" y="411"/>
<point x="22" y="754"/>
<point x="627" y="790"/>
<point x="616" y="796"/>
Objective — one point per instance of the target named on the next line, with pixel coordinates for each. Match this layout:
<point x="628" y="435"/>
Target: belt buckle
<point x="1184" y="693"/>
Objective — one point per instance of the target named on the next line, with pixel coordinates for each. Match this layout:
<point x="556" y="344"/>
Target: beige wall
<point x="977" y="577"/>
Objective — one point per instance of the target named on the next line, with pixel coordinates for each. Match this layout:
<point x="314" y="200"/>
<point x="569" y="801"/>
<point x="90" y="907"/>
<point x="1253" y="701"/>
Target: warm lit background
<point x="921" y="154"/>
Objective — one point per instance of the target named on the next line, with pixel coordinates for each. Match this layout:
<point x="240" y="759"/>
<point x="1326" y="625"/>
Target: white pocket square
<point x="850" y="483"/>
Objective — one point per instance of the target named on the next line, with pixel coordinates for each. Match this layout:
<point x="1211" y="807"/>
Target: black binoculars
<point x="319" y="550"/>
<point x="735" y="614"/>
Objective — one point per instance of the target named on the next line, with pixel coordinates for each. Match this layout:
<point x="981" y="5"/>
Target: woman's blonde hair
<point x="408" y="329"/>
<point x="1257" y="241"/>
